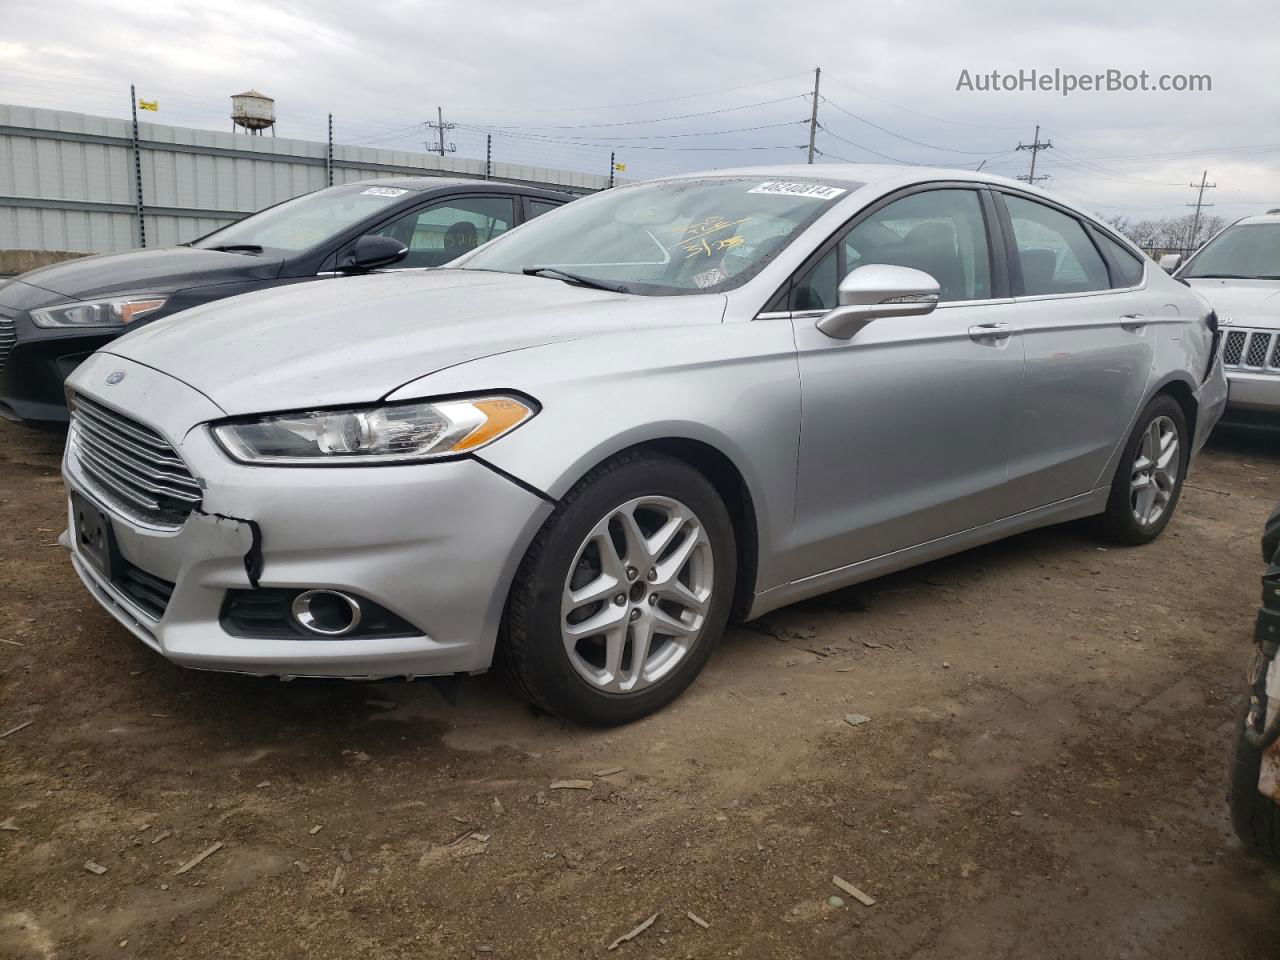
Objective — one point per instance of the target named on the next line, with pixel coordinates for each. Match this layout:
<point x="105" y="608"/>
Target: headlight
<point x="398" y="433"/>
<point x="98" y="313"/>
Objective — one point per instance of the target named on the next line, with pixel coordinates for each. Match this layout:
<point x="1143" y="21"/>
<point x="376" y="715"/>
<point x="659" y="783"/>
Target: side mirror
<point x="372" y="251"/>
<point x="875" y="292"/>
<point x="1170" y="262"/>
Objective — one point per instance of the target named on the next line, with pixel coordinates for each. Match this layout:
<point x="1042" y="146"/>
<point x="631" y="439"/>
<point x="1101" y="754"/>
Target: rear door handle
<point x="1133" y="322"/>
<point x="990" y="332"/>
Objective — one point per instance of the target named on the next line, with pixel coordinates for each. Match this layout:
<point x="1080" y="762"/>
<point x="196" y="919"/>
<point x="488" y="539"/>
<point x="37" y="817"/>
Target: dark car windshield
<point x="301" y="223"/>
<point x="1247" y="252"/>
<point x="672" y="237"/>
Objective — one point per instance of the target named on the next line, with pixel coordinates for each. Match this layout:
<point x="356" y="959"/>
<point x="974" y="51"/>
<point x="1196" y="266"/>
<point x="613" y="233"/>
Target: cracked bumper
<point x="436" y="544"/>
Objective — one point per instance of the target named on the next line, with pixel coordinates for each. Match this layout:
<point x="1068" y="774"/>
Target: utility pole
<point x="441" y="128"/>
<point x="1202" y="186"/>
<point x="488" y="155"/>
<point x="137" y="168"/>
<point x="1035" y="146"/>
<point x="328" y="161"/>
<point x="613" y="158"/>
<point x="813" y="117"/>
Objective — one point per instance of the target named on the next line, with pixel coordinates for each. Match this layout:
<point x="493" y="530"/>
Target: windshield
<point x="301" y="223"/>
<point x="666" y="238"/>
<point x="1244" y="252"/>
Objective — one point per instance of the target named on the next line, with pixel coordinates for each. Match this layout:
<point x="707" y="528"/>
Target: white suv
<point x="1238" y="272"/>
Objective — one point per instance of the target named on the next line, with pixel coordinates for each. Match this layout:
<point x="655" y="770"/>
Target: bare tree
<point x="1167" y="235"/>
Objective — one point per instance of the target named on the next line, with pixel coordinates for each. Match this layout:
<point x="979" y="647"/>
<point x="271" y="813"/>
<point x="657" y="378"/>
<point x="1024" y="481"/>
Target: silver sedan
<point x="583" y="449"/>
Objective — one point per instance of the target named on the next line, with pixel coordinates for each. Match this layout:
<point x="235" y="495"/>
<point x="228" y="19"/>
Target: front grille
<point x="1256" y="356"/>
<point x="7" y="338"/>
<point x="1234" y="349"/>
<point x="149" y="593"/>
<point x="1257" y="350"/>
<point x="132" y="465"/>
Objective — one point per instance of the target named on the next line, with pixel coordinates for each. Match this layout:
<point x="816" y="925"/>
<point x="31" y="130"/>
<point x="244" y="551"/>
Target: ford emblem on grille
<point x="115" y="377"/>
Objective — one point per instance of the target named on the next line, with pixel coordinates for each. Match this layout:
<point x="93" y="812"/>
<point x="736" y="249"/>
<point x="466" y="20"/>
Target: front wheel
<point x="1148" y="480"/>
<point x="623" y="593"/>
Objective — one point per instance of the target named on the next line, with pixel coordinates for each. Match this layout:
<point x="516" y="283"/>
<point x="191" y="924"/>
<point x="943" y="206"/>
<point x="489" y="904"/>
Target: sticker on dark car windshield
<point x="384" y="192"/>
<point x="812" y="191"/>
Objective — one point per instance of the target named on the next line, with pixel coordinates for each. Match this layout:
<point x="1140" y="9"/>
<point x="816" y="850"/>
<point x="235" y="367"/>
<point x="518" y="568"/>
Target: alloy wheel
<point x="1155" y="471"/>
<point x="637" y="594"/>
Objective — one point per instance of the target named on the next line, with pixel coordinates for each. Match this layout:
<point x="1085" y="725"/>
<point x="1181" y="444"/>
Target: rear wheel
<point x="623" y="593"/>
<point x="1148" y="480"/>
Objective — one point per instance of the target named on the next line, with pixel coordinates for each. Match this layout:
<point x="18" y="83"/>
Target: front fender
<point x="734" y="387"/>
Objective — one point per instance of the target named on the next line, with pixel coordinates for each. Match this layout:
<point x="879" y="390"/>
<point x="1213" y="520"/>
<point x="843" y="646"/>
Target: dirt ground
<point x="1042" y="775"/>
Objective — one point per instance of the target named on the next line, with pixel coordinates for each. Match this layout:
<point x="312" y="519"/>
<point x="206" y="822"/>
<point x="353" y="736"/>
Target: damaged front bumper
<point x="435" y="544"/>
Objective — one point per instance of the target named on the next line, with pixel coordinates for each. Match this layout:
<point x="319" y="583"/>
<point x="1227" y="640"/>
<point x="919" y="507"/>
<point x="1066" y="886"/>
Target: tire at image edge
<point x="530" y="653"/>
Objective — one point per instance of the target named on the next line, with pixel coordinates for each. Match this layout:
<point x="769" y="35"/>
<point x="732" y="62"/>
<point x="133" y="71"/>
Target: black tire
<point x="530" y="652"/>
<point x="1118" y="523"/>
<point x="1255" y="816"/>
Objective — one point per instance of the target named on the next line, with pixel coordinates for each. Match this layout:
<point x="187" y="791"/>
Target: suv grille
<point x="132" y="465"/>
<point x="1252" y="349"/>
<point x="7" y="338"/>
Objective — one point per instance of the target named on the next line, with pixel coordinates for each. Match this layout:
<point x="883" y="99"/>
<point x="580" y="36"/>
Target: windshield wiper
<point x="557" y="274"/>
<point x="1219" y="276"/>
<point x="237" y="248"/>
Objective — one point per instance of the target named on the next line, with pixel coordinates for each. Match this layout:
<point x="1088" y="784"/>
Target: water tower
<point x="254" y="112"/>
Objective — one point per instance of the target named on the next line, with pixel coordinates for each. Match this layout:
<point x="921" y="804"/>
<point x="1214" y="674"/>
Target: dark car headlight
<point x="115" y="312"/>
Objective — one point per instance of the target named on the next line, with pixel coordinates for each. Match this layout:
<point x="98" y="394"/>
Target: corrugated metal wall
<point x="67" y="179"/>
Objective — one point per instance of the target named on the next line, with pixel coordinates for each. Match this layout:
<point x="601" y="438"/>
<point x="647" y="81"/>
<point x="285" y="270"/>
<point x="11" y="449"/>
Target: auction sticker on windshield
<point x="813" y="191"/>
<point x="385" y="192"/>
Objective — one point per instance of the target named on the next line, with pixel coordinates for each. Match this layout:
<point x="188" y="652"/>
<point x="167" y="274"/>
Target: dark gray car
<point x="54" y="317"/>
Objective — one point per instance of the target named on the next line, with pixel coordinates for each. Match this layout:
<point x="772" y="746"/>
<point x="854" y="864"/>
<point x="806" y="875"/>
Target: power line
<point x="918" y="143"/>
<point x="631" y="123"/>
<point x="645" y="103"/>
<point x="852" y="143"/>
<point x="672" y="136"/>
<point x="497" y="132"/>
<point x="918" y="113"/>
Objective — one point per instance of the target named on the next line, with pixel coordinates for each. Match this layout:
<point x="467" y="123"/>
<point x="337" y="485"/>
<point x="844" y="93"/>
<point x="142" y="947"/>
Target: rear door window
<point x="1126" y="267"/>
<point x="536" y="208"/>
<point x="1055" y="253"/>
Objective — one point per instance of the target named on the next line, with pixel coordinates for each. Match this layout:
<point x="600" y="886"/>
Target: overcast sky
<point x="563" y="84"/>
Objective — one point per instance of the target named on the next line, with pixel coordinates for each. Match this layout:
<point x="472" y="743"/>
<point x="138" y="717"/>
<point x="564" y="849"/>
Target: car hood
<point x="354" y="340"/>
<point x="1241" y="303"/>
<point x="149" y="271"/>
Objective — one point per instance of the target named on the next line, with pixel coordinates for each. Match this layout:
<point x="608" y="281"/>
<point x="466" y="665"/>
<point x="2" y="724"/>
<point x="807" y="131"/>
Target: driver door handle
<point x="990" y="332"/>
<point x="1133" y="322"/>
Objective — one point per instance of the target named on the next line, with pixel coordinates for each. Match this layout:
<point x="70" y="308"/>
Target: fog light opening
<point x="329" y="613"/>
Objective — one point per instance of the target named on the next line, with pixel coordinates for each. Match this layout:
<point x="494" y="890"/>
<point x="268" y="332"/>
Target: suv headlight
<point x="116" y="312"/>
<point x="392" y="433"/>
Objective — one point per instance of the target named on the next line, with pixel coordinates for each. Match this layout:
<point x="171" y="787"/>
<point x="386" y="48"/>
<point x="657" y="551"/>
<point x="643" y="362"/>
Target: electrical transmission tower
<point x="1035" y="146"/>
<point x="441" y="128"/>
<point x="1201" y="187"/>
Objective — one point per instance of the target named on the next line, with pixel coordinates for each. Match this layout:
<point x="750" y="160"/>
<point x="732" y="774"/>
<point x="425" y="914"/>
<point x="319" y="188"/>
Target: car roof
<point x="885" y="177"/>
<point x="449" y="184"/>
<point x="867" y="174"/>
<point x="1271" y="216"/>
